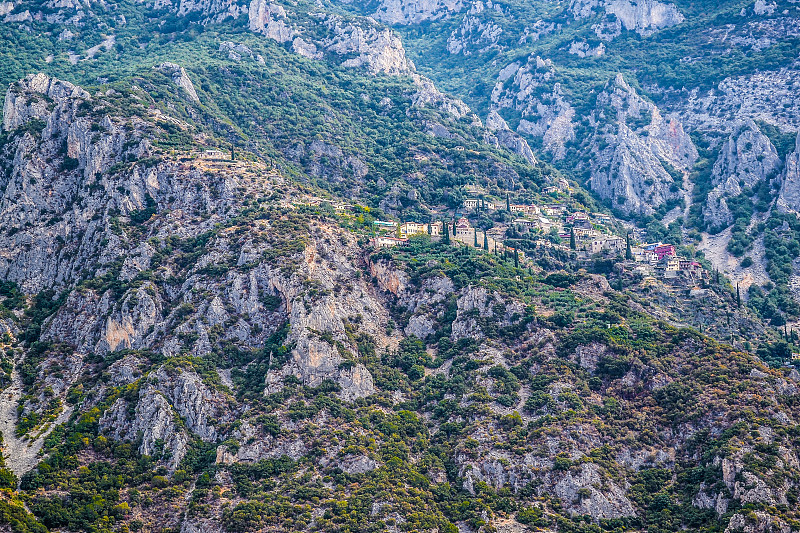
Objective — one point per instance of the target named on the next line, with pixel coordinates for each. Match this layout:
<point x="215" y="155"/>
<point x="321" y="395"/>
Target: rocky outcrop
<point x="766" y="95"/>
<point x="502" y="135"/>
<point x="547" y="116"/>
<point x="57" y="161"/>
<point x="637" y="155"/>
<point x="428" y="95"/>
<point x="23" y="101"/>
<point x="645" y="17"/>
<point x="553" y="123"/>
<point x="415" y="11"/>
<point x="474" y="35"/>
<point x="237" y="51"/>
<point x="476" y="305"/>
<point x="270" y="19"/>
<point x="789" y="197"/>
<point x="579" y="491"/>
<point x="747" y="158"/>
<point x="153" y="420"/>
<point x="377" y="49"/>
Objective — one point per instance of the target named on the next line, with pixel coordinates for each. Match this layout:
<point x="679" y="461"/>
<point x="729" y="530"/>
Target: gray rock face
<point x="507" y="138"/>
<point x="415" y="11"/>
<point x="636" y="151"/>
<point x="789" y="198"/>
<point x="428" y="95"/>
<point x="182" y="394"/>
<point x="180" y="78"/>
<point x="474" y="35"/>
<point x="379" y="50"/>
<point x="549" y="117"/>
<point x="610" y="503"/>
<point x="22" y="105"/>
<point x="767" y="95"/>
<point x="314" y="359"/>
<point x="195" y="402"/>
<point x="269" y="19"/>
<point x="747" y="157"/>
<point x="37" y="188"/>
<point x="153" y="420"/>
<point x="645" y="17"/>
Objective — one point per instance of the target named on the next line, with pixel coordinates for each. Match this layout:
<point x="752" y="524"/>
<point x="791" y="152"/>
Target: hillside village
<point x="587" y="235"/>
<point x="584" y="235"/>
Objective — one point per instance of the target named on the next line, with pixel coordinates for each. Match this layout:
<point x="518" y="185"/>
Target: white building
<point x="388" y="242"/>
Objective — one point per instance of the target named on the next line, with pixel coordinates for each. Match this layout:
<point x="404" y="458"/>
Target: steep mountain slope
<point x="711" y="88"/>
<point x="272" y="373"/>
<point x="199" y="340"/>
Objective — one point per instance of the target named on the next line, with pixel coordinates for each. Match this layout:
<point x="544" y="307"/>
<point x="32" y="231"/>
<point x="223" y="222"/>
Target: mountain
<point x="672" y="110"/>
<point x="200" y="334"/>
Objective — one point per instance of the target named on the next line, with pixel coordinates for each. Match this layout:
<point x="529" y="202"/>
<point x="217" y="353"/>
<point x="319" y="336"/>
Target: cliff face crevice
<point x="637" y="156"/>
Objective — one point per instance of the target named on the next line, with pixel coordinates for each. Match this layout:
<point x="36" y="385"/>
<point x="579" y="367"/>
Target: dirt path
<point x="21" y="454"/>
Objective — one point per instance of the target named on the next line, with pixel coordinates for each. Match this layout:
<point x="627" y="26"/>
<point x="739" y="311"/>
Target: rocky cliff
<point x="203" y="340"/>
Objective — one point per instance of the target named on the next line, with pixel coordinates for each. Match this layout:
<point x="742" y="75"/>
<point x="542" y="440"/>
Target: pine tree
<point x="572" y="238"/>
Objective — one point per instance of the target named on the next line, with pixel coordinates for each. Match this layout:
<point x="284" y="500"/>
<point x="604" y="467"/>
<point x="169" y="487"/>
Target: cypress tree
<point x="485" y="241"/>
<point x="628" y="251"/>
<point x="572" y="238"/>
<point x="446" y="231"/>
<point x="738" y="297"/>
<point x="476" y="237"/>
<point x="516" y="258"/>
<point x="508" y="203"/>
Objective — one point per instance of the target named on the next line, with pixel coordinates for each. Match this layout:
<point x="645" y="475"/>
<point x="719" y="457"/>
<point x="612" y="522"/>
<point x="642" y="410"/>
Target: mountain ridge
<point x="205" y="336"/>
